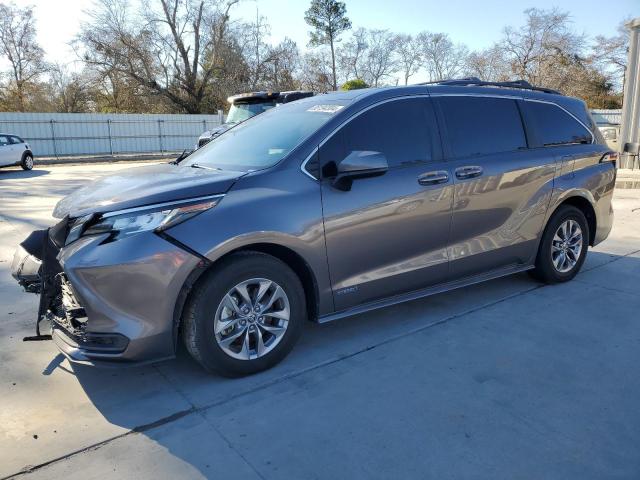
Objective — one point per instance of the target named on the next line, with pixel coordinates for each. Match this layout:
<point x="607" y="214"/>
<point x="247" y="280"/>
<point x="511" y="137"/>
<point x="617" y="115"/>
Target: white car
<point x="15" y="151"/>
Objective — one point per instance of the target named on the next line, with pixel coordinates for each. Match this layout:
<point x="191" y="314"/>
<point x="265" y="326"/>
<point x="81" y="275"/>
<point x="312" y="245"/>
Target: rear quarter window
<point x="553" y="126"/>
<point x="482" y="125"/>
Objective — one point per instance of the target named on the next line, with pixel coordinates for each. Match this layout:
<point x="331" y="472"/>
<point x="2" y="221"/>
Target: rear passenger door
<point x="387" y="235"/>
<point x="502" y="188"/>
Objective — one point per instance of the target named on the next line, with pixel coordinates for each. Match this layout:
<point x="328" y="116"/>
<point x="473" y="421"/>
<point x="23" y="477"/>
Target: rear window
<point x="482" y="125"/>
<point x="554" y="126"/>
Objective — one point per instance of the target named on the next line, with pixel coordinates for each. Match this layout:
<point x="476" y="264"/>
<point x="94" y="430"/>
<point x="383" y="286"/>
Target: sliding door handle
<point x="433" y="178"/>
<point x="470" y="171"/>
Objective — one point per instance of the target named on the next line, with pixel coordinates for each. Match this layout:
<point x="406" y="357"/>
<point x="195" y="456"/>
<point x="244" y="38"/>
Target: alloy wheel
<point x="252" y="319"/>
<point x="566" y="246"/>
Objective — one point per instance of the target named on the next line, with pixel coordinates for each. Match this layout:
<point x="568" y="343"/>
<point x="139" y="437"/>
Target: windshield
<point x="263" y="140"/>
<point x="243" y="111"/>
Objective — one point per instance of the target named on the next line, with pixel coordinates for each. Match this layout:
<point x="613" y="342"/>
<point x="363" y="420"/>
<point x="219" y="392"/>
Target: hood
<point x="135" y="187"/>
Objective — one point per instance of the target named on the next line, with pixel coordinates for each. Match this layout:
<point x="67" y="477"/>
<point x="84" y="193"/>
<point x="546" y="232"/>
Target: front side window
<point x="264" y="140"/>
<point x="403" y="130"/>
<point x="15" y="139"/>
<point x="554" y="126"/>
<point x="482" y="125"/>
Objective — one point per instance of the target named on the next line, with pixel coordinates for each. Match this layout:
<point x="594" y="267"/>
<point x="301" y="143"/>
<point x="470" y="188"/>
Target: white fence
<point x="607" y="117"/>
<point x="69" y="134"/>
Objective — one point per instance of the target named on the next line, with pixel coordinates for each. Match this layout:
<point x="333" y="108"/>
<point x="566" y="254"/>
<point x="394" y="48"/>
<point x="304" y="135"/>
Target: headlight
<point x="127" y="222"/>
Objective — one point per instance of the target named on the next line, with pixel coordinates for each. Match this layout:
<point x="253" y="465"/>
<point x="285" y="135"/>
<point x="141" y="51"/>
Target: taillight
<point x="610" y="157"/>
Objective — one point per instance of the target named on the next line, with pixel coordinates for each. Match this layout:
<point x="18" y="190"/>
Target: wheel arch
<point x="291" y="258"/>
<point x="582" y="203"/>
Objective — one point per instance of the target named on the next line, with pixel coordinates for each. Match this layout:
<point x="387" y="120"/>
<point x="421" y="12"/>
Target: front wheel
<point x="563" y="247"/>
<point x="245" y="315"/>
<point x="27" y="162"/>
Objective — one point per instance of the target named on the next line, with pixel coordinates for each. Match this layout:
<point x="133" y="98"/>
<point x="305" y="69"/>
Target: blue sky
<point x="477" y="23"/>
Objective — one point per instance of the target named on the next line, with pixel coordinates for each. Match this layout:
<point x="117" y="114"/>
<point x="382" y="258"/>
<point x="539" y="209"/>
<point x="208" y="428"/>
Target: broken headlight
<point x="122" y="223"/>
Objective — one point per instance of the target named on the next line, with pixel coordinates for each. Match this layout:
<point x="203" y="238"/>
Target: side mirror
<point x="359" y="164"/>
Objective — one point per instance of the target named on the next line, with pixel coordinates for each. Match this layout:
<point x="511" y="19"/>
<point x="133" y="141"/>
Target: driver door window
<point x="403" y="130"/>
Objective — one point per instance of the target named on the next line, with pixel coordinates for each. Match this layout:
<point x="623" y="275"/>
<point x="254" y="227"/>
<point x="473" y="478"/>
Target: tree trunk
<point x="333" y="64"/>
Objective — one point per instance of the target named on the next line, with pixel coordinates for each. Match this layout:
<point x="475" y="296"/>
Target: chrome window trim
<point x="304" y="164"/>
<point x="525" y="99"/>
<point x="513" y="96"/>
<point x="159" y="205"/>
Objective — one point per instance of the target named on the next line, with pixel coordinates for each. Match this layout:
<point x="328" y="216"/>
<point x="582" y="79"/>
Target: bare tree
<point x="379" y="61"/>
<point x="170" y="47"/>
<point x="351" y="54"/>
<point x="316" y="72"/>
<point x="409" y="52"/>
<point x="370" y="55"/>
<point x="19" y="46"/>
<point x="71" y="90"/>
<point x="489" y="65"/>
<point x="328" y="18"/>
<point x="255" y="49"/>
<point x="442" y="58"/>
<point x="535" y="49"/>
<point x="609" y="54"/>
<point x="282" y="65"/>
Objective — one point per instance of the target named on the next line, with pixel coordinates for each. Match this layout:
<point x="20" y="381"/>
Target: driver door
<point x="387" y="234"/>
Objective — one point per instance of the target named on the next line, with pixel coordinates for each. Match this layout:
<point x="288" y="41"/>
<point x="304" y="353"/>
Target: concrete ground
<point x="509" y="379"/>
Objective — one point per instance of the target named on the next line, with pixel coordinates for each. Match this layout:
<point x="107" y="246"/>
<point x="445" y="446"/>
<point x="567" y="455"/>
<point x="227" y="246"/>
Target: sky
<point x="477" y="23"/>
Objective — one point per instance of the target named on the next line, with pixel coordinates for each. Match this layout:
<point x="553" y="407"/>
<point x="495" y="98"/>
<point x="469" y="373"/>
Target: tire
<point x="216" y="302"/>
<point x="27" y="162"/>
<point x="548" y="271"/>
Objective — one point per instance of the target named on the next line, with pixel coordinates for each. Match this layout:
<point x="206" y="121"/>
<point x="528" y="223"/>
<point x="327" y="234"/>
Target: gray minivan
<point x="323" y="208"/>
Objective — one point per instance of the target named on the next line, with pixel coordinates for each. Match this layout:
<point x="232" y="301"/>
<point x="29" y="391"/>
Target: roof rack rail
<point x="475" y="81"/>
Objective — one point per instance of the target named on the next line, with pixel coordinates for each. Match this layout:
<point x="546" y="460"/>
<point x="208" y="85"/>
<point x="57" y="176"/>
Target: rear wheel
<point x="245" y="316"/>
<point x="27" y="162"/>
<point x="563" y="247"/>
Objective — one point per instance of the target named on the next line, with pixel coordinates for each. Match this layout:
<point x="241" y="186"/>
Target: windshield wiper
<point x="197" y="165"/>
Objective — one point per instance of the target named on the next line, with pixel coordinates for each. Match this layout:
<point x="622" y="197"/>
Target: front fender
<point x="281" y="208"/>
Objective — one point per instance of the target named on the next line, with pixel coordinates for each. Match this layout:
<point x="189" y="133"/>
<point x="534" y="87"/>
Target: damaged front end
<point x="36" y="268"/>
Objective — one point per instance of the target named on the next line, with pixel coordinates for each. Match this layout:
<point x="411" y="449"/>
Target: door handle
<point x="433" y="178"/>
<point x="470" y="171"/>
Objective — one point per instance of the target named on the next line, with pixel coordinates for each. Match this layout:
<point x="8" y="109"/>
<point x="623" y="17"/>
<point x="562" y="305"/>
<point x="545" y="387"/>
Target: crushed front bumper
<point x="110" y="302"/>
